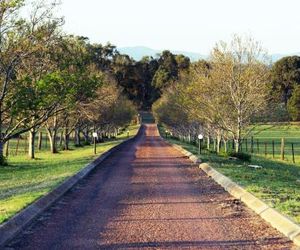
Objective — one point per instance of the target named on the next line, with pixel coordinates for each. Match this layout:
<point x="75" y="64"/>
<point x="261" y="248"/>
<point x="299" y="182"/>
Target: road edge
<point x="277" y="220"/>
<point x="14" y="225"/>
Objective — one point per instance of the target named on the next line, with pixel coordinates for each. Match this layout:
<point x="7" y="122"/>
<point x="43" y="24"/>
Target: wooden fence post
<point x="252" y="144"/>
<point x="293" y="152"/>
<point x="282" y="149"/>
<point x="246" y="145"/>
<point x="257" y="145"/>
<point x="273" y="148"/>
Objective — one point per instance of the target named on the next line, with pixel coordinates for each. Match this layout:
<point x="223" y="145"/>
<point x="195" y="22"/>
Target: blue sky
<point x="189" y="25"/>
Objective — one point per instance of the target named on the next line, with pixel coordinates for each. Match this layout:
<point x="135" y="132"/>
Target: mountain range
<point x="138" y="52"/>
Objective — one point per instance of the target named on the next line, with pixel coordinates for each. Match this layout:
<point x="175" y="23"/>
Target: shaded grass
<point x="277" y="183"/>
<point x="24" y="181"/>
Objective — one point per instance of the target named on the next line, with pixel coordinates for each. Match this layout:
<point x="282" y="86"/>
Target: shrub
<point x="86" y="143"/>
<point x="241" y="156"/>
<point x="211" y="151"/>
<point x="224" y="154"/>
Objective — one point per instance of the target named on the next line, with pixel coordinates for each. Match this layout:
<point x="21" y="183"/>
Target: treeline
<point x="53" y="80"/>
<point x="237" y="86"/>
<point x="57" y="81"/>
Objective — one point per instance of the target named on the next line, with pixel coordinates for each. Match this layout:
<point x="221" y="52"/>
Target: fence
<point x="277" y="148"/>
<point x="19" y="145"/>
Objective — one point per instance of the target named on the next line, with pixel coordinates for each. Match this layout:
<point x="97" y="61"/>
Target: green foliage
<point x="274" y="112"/>
<point x="294" y="104"/>
<point x="285" y="75"/>
<point x="161" y="78"/>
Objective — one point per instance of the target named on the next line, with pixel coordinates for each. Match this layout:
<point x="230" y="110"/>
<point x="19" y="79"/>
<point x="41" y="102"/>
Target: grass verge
<point x="24" y="181"/>
<point x="277" y="182"/>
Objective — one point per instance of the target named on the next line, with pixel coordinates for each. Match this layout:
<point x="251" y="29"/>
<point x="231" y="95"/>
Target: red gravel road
<point x="149" y="196"/>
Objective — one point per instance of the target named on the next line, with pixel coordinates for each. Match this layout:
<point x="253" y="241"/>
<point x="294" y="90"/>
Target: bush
<point x="86" y="143"/>
<point x="211" y="151"/>
<point x="241" y="156"/>
<point x="224" y="154"/>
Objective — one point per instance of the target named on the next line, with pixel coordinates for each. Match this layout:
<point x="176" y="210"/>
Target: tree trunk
<point x="86" y="135"/>
<point x="218" y="144"/>
<point x="239" y="131"/>
<point x="61" y="138"/>
<point x="6" y="149"/>
<point x="40" y="140"/>
<point x="225" y="146"/>
<point x="77" y="137"/>
<point x="208" y="142"/>
<point x="66" y="139"/>
<point x="237" y="143"/>
<point x="1" y="150"/>
<point x="31" y="140"/>
<point x="52" y="140"/>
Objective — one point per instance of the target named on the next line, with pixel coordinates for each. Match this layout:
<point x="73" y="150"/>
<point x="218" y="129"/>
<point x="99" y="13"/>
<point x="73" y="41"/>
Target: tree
<point x="79" y="79"/>
<point x="285" y="74"/>
<point x="224" y="93"/>
<point x="293" y="104"/>
<point x="166" y="72"/>
<point x="21" y="42"/>
<point x="236" y="88"/>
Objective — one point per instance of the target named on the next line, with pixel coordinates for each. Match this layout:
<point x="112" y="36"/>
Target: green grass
<point x="267" y="133"/>
<point x="24" y="181"/>
<point x="277" y="183"/>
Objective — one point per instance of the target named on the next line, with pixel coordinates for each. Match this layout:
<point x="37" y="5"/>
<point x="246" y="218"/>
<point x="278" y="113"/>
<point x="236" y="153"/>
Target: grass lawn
<point x="24" y="180"/>
<point x="277" y="183"/>
<point x="266" y="134"/>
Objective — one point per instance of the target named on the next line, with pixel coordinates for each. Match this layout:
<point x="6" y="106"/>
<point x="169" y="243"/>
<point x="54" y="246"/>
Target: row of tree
<point x="222" y="96"/>
<point x="285" y="85"/>
<point x="54" y="80"/>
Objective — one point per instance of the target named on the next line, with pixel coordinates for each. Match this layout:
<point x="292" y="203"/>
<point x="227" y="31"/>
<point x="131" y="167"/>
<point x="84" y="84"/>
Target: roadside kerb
<point x="279" y="221"/>
<point x="18" y="222"/>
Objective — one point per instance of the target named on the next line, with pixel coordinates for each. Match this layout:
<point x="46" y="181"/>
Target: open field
<point x="24" y="181"/>
<point x="278" y="182"/>
<point x="265" y="135"/>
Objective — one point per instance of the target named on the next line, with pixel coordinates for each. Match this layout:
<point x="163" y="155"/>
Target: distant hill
<point x="138" y="52"/>
<point x="276" y="57"/>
